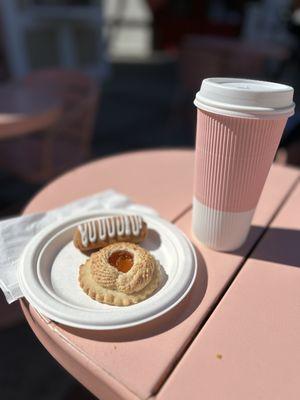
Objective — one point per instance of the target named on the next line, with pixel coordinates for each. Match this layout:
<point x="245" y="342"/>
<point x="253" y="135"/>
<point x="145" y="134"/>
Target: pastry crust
<point x="98" y="233"/>
<point x="106" y="284"/>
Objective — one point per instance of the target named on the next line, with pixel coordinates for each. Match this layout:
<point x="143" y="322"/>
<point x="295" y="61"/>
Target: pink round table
<point x="224" y="341"/>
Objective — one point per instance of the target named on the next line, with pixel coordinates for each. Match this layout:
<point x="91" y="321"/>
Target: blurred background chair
<point x="66" y="143"/>
<point x="205" y="56"/>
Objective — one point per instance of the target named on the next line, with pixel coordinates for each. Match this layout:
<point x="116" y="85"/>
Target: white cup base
<point x="220" y="230"/>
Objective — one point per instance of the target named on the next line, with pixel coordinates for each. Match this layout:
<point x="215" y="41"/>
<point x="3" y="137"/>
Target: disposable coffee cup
<point x="239" y="126"/>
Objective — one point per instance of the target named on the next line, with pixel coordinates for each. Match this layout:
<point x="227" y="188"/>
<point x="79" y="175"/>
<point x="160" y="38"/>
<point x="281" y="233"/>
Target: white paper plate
<point x="48" y="276"/>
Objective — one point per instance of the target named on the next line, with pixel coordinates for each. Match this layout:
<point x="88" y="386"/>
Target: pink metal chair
<point x="204" y="56"/>
<point x="67" y="142"/>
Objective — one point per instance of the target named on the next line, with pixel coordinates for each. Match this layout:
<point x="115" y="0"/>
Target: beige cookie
<point x="98" y="233"/>
<point x="120" y="274"/>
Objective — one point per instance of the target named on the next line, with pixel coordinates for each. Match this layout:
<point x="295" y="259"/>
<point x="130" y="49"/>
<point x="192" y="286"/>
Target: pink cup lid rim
<point x="245" y="98"/>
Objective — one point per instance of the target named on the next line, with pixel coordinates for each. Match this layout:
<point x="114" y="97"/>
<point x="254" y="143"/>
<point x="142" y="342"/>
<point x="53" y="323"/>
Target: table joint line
<point x="183" y="212"/>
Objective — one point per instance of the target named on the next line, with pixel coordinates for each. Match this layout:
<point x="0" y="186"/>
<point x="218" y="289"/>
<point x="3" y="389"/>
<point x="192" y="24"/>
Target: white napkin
<point x="16" y="232"/>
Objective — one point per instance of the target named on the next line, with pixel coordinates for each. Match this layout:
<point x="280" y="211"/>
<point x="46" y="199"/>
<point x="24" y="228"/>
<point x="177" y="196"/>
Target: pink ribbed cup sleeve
<point x="233" y="158"/>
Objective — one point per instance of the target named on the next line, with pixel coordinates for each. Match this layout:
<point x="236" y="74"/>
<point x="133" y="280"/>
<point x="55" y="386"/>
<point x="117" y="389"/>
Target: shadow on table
<point x="153" y="240"/>
<point x="161" y="324"/>
<point x="278" y="245"/>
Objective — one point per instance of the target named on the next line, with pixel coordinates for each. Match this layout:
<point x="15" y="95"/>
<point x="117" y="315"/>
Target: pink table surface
<point x="110" y="363"/>
<point x="250" y="346"/>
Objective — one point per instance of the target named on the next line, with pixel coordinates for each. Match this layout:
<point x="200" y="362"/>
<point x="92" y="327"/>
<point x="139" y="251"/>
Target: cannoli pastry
<point x="98" y="233"/>
<point x="120" y="274"/>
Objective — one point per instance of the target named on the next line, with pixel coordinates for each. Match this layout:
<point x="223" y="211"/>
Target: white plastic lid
<point x="245" y="97"/>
